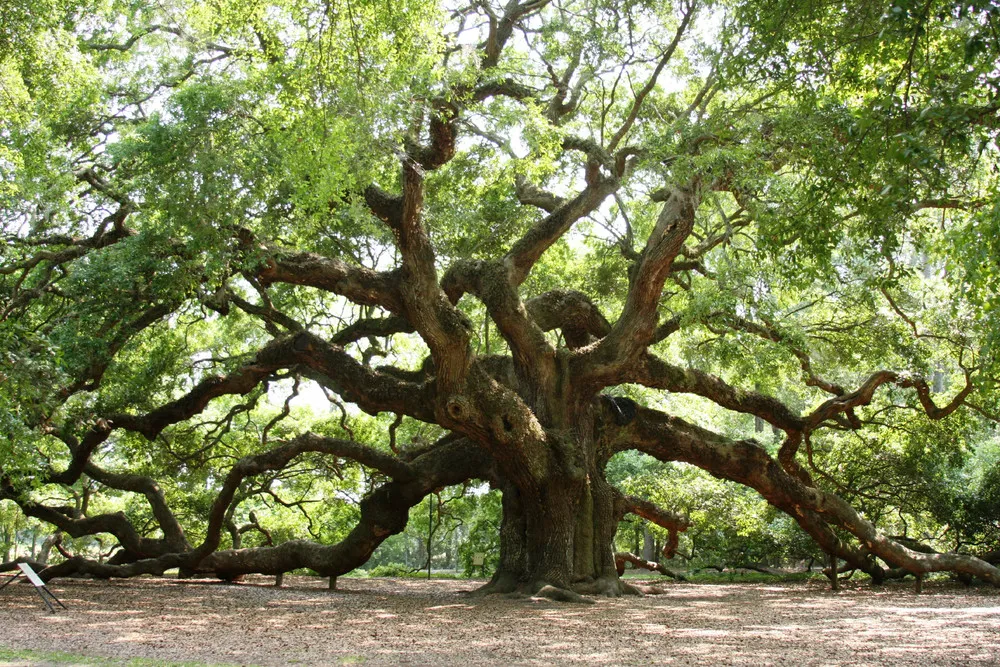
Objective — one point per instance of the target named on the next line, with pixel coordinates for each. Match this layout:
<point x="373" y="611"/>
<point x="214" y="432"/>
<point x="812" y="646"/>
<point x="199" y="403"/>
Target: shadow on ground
<point x="406" y="621"/>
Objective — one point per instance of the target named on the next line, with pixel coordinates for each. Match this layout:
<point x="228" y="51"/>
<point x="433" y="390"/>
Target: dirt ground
<point x="415" y="622"/>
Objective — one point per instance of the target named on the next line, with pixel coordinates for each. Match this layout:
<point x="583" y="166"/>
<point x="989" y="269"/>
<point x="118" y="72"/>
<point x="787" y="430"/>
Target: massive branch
<point x="864" y="394"/>
<point x="277" y="459"/>
<point x="653" y="372"/>
<point x="672" y="521"/>
<point x="173" y="533"/>
<point x="573" y="313"/>
<point x="636" y="327"/>
<point x="529" y="248"/>
<point x="360" y="285"/>
<point x="490" y="282"/>
<point x="370" y="389"/>
<point x="746" y="462"/>
<point x="383" y="513"/>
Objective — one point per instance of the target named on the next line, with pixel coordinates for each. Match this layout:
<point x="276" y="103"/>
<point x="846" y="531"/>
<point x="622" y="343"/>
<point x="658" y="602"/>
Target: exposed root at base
<point x="502" y="585"/>
<point x="639" y="589"/>
<point x="561" y="595"/>
<point x="610" y="587"/>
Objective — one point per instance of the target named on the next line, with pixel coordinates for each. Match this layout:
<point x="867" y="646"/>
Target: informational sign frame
<point x="36" y="581"/>
<point x="479" y="560"/>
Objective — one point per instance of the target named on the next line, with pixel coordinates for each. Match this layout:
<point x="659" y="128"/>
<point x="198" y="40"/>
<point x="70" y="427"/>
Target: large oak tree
<point x="499" y="220"/>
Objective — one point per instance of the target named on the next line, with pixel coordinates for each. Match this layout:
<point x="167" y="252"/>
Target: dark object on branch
<point x="622" y="409"/>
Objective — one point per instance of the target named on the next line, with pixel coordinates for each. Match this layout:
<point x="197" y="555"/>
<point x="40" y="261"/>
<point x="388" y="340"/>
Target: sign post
<point x="479" y="560"/>
<point x="39" y="585"/>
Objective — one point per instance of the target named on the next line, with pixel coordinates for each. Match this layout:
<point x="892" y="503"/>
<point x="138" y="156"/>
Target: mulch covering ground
<point x="411" y="621"/>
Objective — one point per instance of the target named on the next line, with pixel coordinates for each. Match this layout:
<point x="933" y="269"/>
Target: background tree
<point x="487" y="226"/>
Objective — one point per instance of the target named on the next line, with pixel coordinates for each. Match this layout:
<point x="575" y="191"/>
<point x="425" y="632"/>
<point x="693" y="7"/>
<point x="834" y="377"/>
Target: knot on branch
<point x="458" y="408"/>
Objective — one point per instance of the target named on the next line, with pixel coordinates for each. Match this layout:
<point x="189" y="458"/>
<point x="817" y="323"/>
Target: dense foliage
<point x="276" y="272"/>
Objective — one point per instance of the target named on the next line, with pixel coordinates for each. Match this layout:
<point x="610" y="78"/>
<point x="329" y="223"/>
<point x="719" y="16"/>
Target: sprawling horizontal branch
<point x="280" y="353"/>
<point x="654" y="513"/>
<point x="531" y="195"/>
<point x="671" y="439"/>
<point x="383" y="513"/>
<point x="76" y="247"/>
<point x="506" y="87"/>
<point x="39" y="268"/>
<point x="80" y="565"/>
<point x="267" y="313"/>
<point x="656" y="373"/>
<point x="370" y="389"/>
<point x="80" y="452"/>
<point x="12" y="565"/>
<point x="864" y="394"/>
<point x="67" y="520"/>
<point x="746" y="462"/>
<point x="623" y="557"/>
<point x="149" y="30"/>
<point x="173" y="533"/>
<point x="357" y="283"/>
<point x="672" y="521"/>
<point x="377" y="327"/>
<point x="277" y="459"/>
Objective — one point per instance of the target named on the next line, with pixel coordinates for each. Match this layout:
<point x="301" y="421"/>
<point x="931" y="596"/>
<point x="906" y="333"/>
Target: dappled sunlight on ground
<point x="419" y="622"/>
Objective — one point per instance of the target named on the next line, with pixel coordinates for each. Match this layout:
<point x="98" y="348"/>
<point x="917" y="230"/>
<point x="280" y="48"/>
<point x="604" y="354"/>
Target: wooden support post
<point x="919" y="586"/>
<point x="834" y="578"/>
<point x="333" y="583"/>
<point x="279" y="579"/>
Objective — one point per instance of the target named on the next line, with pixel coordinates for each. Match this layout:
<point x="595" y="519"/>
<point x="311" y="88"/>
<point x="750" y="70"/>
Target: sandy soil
<point x="405" y="621"/>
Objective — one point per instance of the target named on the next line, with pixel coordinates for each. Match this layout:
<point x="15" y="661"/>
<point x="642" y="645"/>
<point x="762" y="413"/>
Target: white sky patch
<point x="310" y="398"/>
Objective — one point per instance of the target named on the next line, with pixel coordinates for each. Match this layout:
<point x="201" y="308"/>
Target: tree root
<point x="640" y="590"/>
<point x="610" y="587"/>
<point x="510" y="587"/>
<point x="561" y="595"/>
<point x="500" y="584"/>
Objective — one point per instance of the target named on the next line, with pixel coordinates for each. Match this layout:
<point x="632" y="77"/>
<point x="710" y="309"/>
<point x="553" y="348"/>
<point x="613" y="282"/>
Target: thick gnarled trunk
<point x="561" y="539"/>
<point x="560" y="532"/>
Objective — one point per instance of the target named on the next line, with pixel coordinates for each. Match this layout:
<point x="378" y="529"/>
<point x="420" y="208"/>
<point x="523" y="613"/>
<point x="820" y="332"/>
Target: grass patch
<point x="750" y="577"/>
<point x="32" y="657"/>
<point x="729" y="577"/>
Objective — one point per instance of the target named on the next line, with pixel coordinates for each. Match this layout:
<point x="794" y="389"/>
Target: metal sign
<point x="37" y="582"/>
<point x="30" y="574"/>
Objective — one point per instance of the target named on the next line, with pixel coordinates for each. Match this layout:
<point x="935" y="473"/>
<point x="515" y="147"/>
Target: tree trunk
<point x="560" y="535"/>
<point x="648" y="545"/>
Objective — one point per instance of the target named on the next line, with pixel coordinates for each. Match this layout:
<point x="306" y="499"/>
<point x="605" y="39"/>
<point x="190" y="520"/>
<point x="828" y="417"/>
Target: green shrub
<point x="391" y="570"/>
